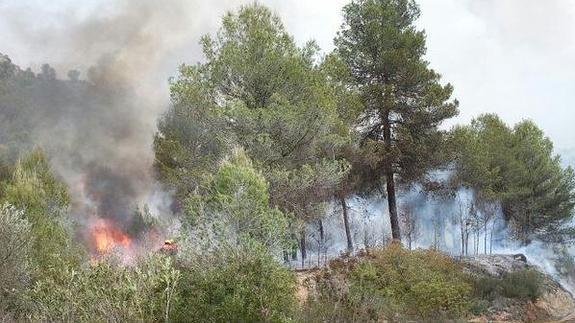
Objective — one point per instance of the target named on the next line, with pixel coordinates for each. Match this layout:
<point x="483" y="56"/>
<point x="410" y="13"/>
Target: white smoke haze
<point x="438" y="225"/>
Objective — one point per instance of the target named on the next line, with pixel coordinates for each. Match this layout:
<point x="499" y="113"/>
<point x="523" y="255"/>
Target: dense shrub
<point x="424" y="283"/>
<point x="34" y="189"/>
<point x="108" y="292"/>
<point x="524" y="284"/>
<point x="330" y="310"/>
<point x="243" y="284"/>
<point x="395" y="283"/>
<point x="15" y="244"/>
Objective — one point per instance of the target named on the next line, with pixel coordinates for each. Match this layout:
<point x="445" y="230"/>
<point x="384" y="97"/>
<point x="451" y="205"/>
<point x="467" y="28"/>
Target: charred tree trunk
<point x="346" y="225"/>
<point x="390" y="180"/>
<point x="476" y="242"/>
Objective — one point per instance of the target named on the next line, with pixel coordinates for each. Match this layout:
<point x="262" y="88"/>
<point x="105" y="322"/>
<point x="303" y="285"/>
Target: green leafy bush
<point x="243" y="284"/>
<point x="15" y="244"/>
<point x="393" y="284"/>
<point x="423" y="283"/>
<point x="34" y="189"/>
<point x="524" y="284"/>
<point x="234" y="205"/>
<point x="478" y="306"/>
<point x="108" y="292"/>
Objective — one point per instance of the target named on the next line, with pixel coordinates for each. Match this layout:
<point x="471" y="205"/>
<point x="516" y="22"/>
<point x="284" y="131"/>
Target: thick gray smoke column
<point x="99" y="137"/>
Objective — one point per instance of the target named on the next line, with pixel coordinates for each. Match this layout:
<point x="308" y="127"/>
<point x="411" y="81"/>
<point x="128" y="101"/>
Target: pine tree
<point x="403" y="100"/>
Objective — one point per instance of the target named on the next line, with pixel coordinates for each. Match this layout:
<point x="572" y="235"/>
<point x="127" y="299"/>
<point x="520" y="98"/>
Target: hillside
<point x="503" y="288"/>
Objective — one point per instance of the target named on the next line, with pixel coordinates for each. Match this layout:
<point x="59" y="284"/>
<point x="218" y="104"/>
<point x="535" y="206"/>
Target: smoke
<point x="98" y="133"/>
<point x="441" y="222"/>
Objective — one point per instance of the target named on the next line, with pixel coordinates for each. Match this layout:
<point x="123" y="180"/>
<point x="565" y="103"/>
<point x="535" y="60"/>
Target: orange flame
<point x="107" y="237"/>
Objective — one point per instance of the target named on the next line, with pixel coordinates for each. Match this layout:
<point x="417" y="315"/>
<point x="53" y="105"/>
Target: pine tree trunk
<point x="392" y="205"/>
<point x="390" y="181"/>
<point x="320" y="244"/>
<point x="491" y="237"/>
<point x="346" y="225"/>
<point x="485" y="238"/>
<point x="466" y="242"/>
<point x="386" y="101"/>
<point x="462" y="242"/>
<point x="491" y="242"/>
<point x="303" y="249"/>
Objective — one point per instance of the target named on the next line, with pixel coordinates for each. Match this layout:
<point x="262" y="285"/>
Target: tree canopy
<point x="517" y="167"/>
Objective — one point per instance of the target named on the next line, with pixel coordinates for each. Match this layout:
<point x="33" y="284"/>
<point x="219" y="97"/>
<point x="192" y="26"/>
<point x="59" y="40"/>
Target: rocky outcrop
<point x="554" y="304"/>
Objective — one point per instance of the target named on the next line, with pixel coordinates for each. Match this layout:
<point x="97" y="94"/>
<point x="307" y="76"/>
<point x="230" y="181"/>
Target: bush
<point x="234" y="205"/>
<point x="34" y="189"/>
<point x="524" y="284"/>
<point x="326" y="310"/>
<point x="243" y="284"/>
<point x="15" y="244"/>
<point x="393" y="284"/>
<point x="422" y="283"/>
<point x="479" y="306"/>
<point x="108" y="292"/>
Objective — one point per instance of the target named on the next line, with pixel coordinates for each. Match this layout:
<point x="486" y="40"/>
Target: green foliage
<point x="243" y="284"/>
<point x="384" y="52"/>
<point x="478" y="306"/>
<point x="525" y="284"/>
<point x="192" y="135"/>
<point x="424" y="283"/>
<point x="517" y="167"/>
<point x="261" y="92"/>
<point x="394" y="284"/>
<point x="34" y="189"/>
<point x="328" y="310"/>
<point x="107" y="291"/>
<point x="15" y="248"/>
<point x="234" y="206"/>
<point x="403" y="99"/>
<point x="303" y="189"/>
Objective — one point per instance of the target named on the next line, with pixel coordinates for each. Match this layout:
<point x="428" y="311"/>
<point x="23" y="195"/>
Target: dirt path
<point x="304" y="282"/>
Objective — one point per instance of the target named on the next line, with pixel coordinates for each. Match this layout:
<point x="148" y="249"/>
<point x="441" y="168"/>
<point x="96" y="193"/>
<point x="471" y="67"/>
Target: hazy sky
<point x="512" y="57"/>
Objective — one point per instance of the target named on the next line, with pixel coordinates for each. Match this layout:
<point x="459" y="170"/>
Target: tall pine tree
<point x="403" y="100"/>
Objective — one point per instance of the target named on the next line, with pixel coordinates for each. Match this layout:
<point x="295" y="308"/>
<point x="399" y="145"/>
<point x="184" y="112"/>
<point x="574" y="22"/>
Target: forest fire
<point x="105" y="237"/>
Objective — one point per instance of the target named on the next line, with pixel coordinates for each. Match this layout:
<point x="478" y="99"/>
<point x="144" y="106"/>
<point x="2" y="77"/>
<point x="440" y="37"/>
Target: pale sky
<point x="511" y="57"/>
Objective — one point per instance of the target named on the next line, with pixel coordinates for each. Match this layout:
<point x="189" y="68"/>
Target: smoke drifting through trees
<point x="98" y="132"/>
